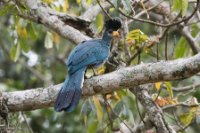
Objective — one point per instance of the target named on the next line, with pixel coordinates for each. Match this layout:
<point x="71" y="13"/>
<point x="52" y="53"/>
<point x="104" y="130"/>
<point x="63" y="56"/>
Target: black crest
<point x="113" y="24"/>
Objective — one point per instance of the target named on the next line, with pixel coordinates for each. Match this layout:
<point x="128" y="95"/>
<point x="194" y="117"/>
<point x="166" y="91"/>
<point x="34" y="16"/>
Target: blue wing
<point x="88" y="53"/>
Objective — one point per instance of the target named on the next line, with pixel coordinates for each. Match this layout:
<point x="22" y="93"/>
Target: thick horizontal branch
<point x="125" y="77"/>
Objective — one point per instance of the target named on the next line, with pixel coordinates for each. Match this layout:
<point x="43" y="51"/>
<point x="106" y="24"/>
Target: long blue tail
<point x="70" y="93"/>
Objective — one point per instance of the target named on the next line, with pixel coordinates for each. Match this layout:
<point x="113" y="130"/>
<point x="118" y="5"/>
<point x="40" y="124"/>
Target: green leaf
<point x="32" y="32"/>
<point x="99" y="108"/>
<point x="99" y="22"/>
<point x="15" y="52"/>
<point x="169" y="89"/>
<point x="184" y="7"/>
<point x="176" y="5"/>
<point x="92" y="127"/>
<point x="180" y="48"/>
<point x="48" y="42"/>
<point x="6" y="9"/>
<point x="119" y="107"/>
<point x="24" y="45"/>
<point x="180" y="6"/>
<point x="195" y="30"/>
<point x="186" y="118"/>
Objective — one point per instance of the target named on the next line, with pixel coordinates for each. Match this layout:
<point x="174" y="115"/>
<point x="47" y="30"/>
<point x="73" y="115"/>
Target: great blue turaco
<point x="86" y="54"/>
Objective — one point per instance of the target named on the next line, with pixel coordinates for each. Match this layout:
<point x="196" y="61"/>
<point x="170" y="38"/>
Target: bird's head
<point x="112" y="26"/>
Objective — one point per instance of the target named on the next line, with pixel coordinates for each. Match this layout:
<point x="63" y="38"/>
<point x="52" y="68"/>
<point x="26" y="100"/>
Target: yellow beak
<point x="115" y="34"/>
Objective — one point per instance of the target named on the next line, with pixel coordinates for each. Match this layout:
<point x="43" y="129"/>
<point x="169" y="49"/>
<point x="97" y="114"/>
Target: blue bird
<point x="88" y="53"/>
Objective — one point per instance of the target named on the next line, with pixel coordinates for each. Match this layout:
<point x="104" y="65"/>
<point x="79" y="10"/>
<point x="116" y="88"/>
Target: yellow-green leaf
<point x="180" y="6"/>
<point x="6" y="9"/>
<point x="176" y="5"/>
<point x="136" y="37"/>
<point x="98" y="108"/>
<point x="92" y="128"/>
<point x="158" y="85"/>
<point x="186" y="118"/>
<point x="169" y="89"/>
<point x="99" y="22"/>
<point x="184" y="7"/>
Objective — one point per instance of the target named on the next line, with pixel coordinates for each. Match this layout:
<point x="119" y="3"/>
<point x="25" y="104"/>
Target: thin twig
<point x="104" y="10"/>
<point x="173" y="47"/>
<point x="177" y="121"/>
<point x="26" y="122"/>
<point x="126" y="47"/>
<point x="155" y="23"/>
<point x="158" y="94"/>
<point x="139" y="56"/>
<point x="179" y="104"/>
<point x="166" y="46"/>
<point x="119" y="118"/>
<point x="157" y="51"/>
<point x="186" y="88"/>
<point x="109" y="117"/>
<point x="133" y="57"/>
<point x="138" y="109"/>
<point x="149" y="9"/>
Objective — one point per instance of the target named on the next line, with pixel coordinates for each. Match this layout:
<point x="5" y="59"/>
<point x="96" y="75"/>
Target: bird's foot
<point x="94" y="73"/>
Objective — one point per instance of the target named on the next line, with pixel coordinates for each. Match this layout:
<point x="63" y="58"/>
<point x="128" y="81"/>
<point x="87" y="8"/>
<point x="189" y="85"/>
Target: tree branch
<point x="125" y="77"/>
<point x="164" y="9"/>
<point x="93" y="11"/>
<point x="61" y="23"/>
<point x="191" y="41"/>
<point x="154" y="113"/>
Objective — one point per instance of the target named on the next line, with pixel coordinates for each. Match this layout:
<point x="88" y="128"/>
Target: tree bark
<point x="120" y="79"/>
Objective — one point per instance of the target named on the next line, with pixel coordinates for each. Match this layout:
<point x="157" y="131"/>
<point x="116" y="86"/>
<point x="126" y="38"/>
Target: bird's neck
<point x="106" y="37"/>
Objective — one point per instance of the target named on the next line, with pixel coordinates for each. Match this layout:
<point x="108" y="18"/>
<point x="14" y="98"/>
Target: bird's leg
<point x="95" y="73"/>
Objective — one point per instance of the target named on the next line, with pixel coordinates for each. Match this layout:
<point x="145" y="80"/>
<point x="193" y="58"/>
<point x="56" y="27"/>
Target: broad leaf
<point x="180" y="48"/>
<point x="186" y="118"/>
<point x="180" y="6"/>
<point x="184" y="7"/>
<point x="136" y="37"/>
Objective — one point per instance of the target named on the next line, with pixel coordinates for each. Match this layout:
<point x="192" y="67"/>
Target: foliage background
<point x="32" y="56"/>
